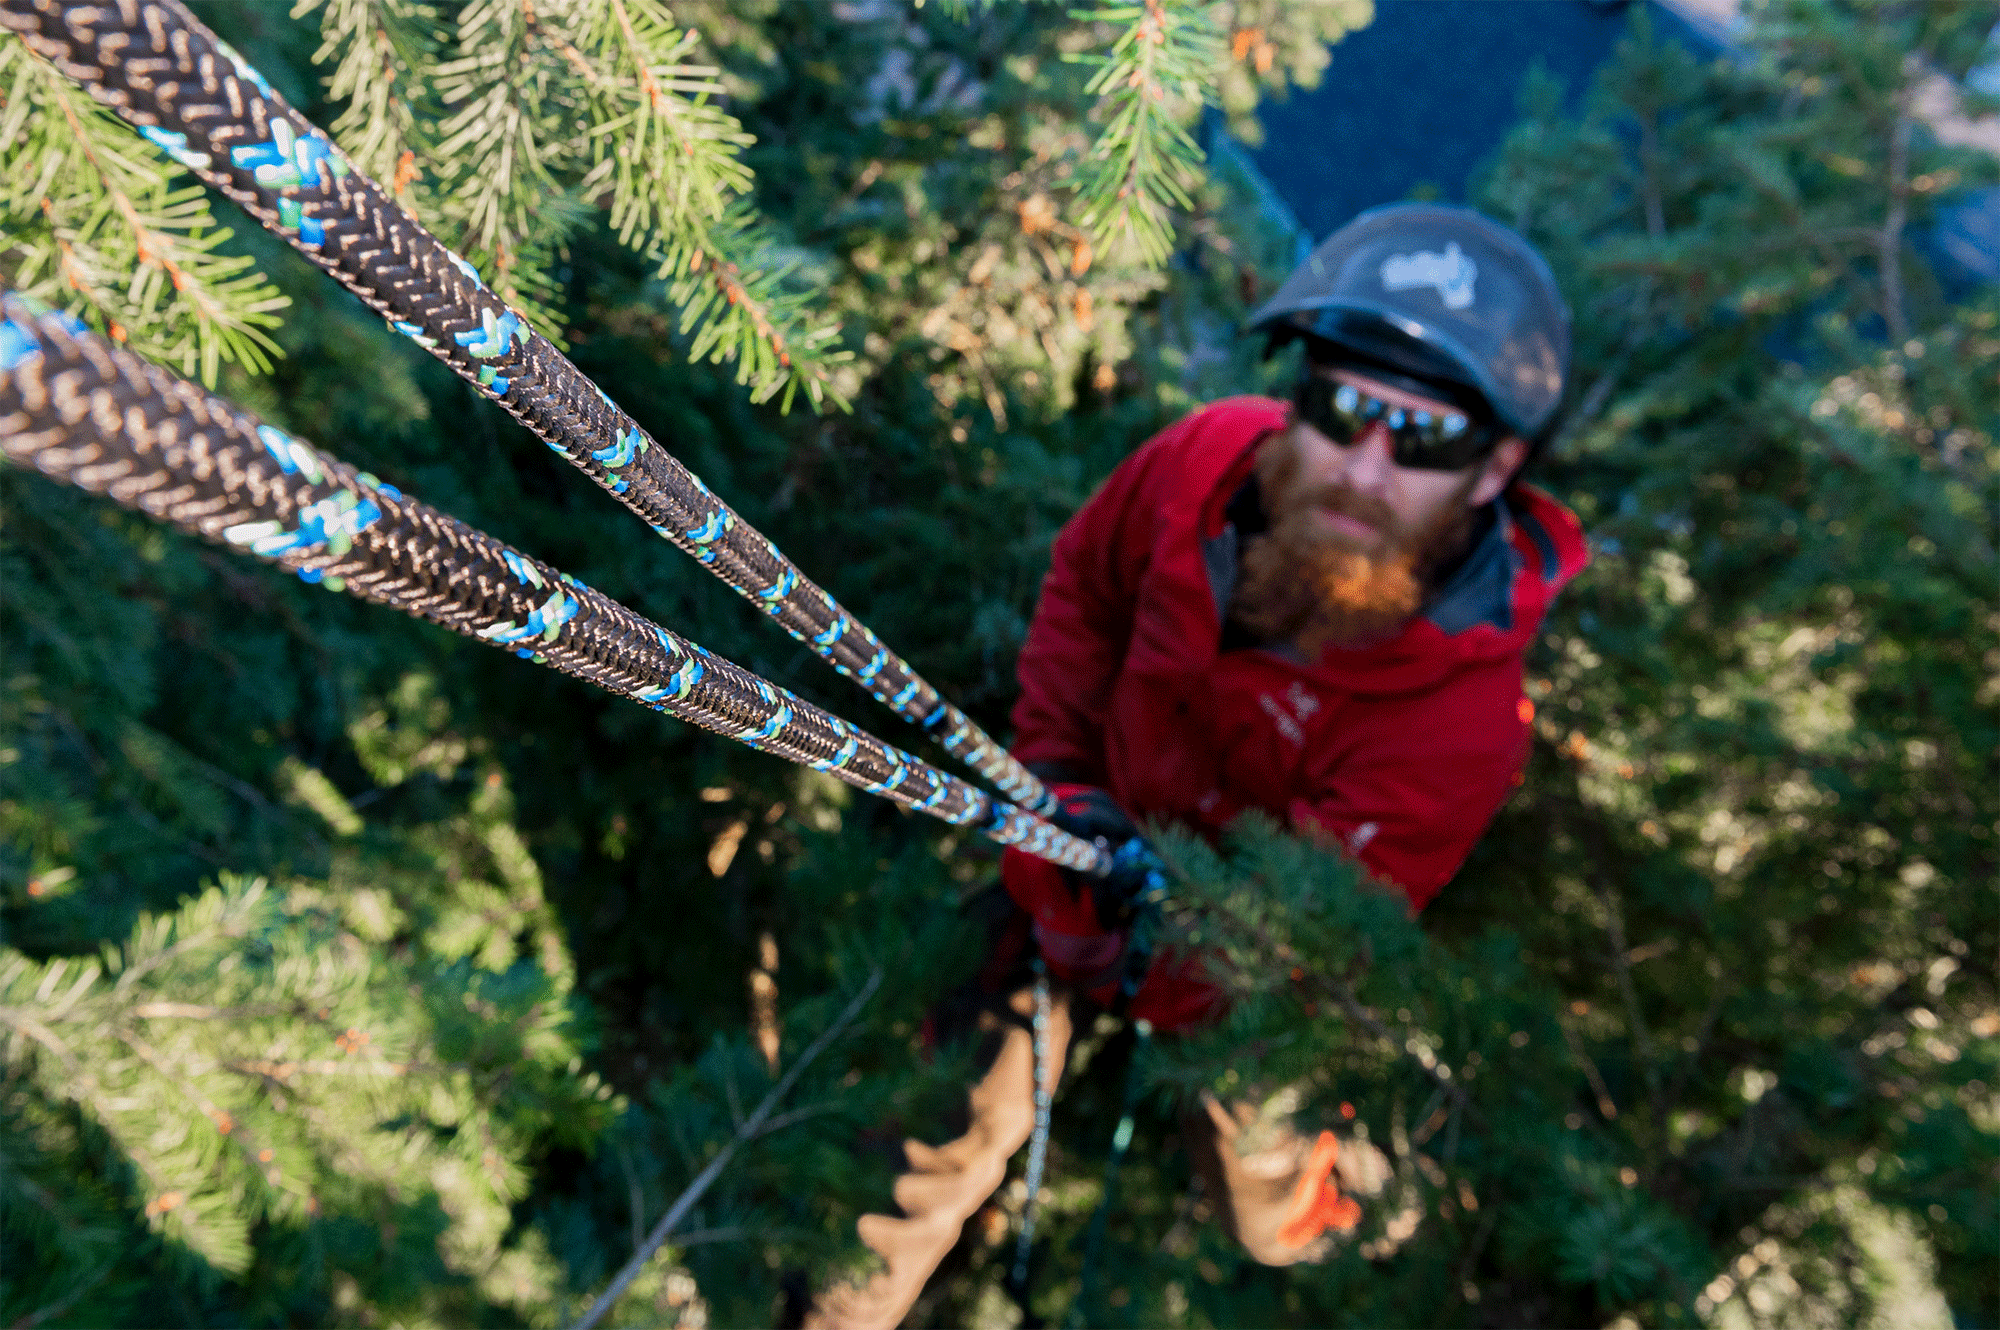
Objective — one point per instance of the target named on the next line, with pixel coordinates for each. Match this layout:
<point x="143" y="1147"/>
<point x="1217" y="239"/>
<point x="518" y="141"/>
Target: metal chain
<point x="156" y="65"/>
<point x="84" y="412"/>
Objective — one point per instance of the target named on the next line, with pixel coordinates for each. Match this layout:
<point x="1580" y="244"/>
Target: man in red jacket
<point x="1318" y="610"/>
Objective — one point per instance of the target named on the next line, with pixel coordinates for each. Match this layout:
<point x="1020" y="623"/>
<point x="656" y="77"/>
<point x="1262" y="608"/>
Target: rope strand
<point x="157" y="66"/>
<point x="82" y="411"/>
<point x="1038" y="1140"/>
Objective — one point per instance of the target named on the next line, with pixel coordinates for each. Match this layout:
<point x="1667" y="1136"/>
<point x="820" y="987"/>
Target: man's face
<point x="1356" y="496"/>
<point x="1354" y="537"/>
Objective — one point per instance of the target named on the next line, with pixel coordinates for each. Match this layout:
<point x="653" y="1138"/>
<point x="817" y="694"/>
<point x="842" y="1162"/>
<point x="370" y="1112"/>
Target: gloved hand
<point x="1137" y="874"/>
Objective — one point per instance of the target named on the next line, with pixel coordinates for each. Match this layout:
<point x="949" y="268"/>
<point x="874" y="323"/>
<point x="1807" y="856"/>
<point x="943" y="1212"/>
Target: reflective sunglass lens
<point x="1419" y="438"/>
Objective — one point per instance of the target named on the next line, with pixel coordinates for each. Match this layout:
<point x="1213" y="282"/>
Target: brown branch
<point x="38" y="1032"/>
<point x="1605" y="1104"/>
<point x="191" y="1011"/>
<point x="157" y="1010"/>
<point x="648" y="85"/>
<point x="141" y="233"/>
<point x="64" y="1303"/>
<point x="576" y="58"/>
<point x="791" y="1116"/>
<point x="1679" y="1083"/>
<point x="1440" y="1074"/>
<point x="751" y="1128"/>
<point x="281" y="1074"/>
<point x="1891" y="243"/>
<point x="1474" y="1248"/>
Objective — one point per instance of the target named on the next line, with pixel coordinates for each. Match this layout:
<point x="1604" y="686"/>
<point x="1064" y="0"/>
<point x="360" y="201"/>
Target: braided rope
<point x="1038" y="1139"/>
<point x="86" y="413"/>
<point x="157" y="66"/>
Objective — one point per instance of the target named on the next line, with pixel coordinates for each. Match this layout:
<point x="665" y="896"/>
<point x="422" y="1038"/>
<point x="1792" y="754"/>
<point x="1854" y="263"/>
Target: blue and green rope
<point x="80" y="410"/>
<point x="156" y="65"/>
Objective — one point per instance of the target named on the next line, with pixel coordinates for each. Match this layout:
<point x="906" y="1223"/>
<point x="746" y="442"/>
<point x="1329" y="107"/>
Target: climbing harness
<point x="185" y="90"/>
<point x="82" y="411"/>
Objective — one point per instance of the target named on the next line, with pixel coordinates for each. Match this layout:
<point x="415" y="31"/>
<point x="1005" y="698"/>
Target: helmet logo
<point x="1450" y="273"/>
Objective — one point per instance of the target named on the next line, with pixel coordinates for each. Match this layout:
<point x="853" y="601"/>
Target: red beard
<point x="1302" y="583"/>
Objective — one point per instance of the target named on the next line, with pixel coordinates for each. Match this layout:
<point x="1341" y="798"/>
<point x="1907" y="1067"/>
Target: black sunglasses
<point x="1423" y="440"/>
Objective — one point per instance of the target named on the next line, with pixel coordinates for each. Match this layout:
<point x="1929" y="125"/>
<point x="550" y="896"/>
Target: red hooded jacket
<point x="1402" y="750"/>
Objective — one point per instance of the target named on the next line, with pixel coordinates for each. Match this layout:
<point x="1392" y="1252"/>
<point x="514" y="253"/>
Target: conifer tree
<point x="1705" y="1027"/>
<point x="429" y="868"/>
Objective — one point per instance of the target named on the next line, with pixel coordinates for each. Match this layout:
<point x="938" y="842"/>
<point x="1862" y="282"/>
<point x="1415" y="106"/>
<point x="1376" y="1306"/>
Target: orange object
<point x="1317" y="1205"/>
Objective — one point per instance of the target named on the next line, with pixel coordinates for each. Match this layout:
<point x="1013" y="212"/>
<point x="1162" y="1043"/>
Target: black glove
<point x="1090" y="813"/>
<point x="1137" y="876"/>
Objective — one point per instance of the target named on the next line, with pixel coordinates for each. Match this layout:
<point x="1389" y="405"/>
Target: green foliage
<point x="466" y="821"/>
<point x="317" y="1085"/>
<point x="1144" y="163"/>
<point x="1168" y="61"/>
<point x="1715" y="995"/>
<point x="96" y="220"/>
<point x="1708" y="1028"/>
<point x="1716" y="992"/>
<point x="506" y="129"/>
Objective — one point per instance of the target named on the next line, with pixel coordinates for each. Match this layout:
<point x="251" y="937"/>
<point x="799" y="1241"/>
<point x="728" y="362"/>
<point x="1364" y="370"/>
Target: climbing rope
<point x="1134" y="859"/>
<point x="157" y="66"/>
<point x="1038" y="1140"/>
<point x="84" y="412"/>
<point x="1121" y="1141"/>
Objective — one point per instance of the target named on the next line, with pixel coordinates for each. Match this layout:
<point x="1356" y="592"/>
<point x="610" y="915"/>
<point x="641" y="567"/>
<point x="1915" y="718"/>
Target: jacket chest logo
<point x="1290" y="718"/>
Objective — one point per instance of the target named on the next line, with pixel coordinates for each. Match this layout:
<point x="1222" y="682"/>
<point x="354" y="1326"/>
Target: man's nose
<point x="1371" y="459"/>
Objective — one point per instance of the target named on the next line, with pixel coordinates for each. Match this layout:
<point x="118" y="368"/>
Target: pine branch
<point x="509" y="146"/>
<point x="1440" y="1075"/>
<point x="731" y="283"/>
<point x="383" y="53"/>
<point x="547" y="105"/>
<point x="672" y="159"/>
<point x="24" y="1023"/>
<point x="1144" y="164"/>
<point x="237" y="1108"/>
<point x="670" y="154"/>
<point x="1606" y="1105"/>
<point x="86" y="208"/>
<point x="751" y="1128"/>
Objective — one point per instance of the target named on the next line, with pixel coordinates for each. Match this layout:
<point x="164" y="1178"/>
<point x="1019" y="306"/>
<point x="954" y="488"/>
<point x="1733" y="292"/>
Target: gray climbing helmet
<point x="1438" y="293"/>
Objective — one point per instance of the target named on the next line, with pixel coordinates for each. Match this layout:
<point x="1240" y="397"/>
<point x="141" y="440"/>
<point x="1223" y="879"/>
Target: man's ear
<point x="1501" y="464"/>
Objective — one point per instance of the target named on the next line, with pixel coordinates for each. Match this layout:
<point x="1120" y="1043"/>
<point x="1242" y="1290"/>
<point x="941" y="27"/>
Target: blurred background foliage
<point x="353" y="975"/>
